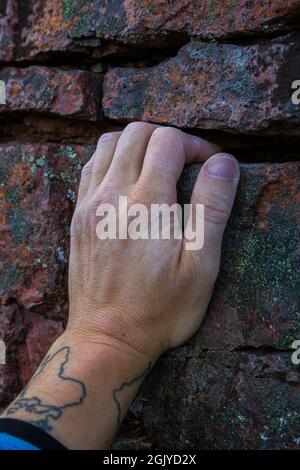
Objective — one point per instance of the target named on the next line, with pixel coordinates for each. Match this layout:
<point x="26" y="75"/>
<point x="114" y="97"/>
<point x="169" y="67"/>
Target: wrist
<point x="91" y="382"/>
<point x="129" y="343"/>
<point x="93" y="352"/>
<point x="112" y="373"/>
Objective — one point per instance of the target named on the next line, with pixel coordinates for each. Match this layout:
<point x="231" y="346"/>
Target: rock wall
<point x="221" y="69"/>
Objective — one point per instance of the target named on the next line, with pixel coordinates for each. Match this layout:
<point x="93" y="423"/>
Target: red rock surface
<point x="38" y="186"/>
<point x="8" y="29"/>
<point x="56" y="26"/>
<point x="254" y="304"/>
<point x="46" y="29"/>
<point x="210" y="86"/>
<point x="152" y="22"/>
<point x="75" y="93"/>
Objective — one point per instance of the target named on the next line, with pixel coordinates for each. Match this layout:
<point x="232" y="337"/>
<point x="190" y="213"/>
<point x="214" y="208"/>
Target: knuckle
<point x="86" y="214"/>
<point x="167" y="133"/>
<point x="140" y="193"/>
<point x="77" y="219"/>
<point x="216" y="209"/>
<point x="86" y="169"/>
<point x="105" y="196"/>
<point x="138" y="127"/>
<point x="108" y="137"/>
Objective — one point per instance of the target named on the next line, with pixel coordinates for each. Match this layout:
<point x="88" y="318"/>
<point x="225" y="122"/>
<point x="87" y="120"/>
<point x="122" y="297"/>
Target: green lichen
<point x="285" y="422"/>
<point x="4" y="43"/>
<point x="60" y="254"/>
<point x="35" y="163"/>
<point x="41" y="161"/>
<point x="231" y="417"/>
<point x="282" y="421"/>
<point x="13" y="194"/>
<point x="232" y="3"/>
<point x="212" y="9"/>
<point x="65" y="177"/>
<point x="251" y="187"/>
<point x="18" y="224"/>
<point x="71" y="195"/>
<point x="30" y="160"/>
<point x="68" y="151"/>
<point x="286" y="341"/>
<point x="69" y="8"/>
<point x="279" y="422"/>
<point x="263" y="268"/>
<point x="80" y="12"/>
<point x="9" y="277"/>
<point x="38" y="262"/>
<point x="242" y="85"/>
<point x="81" y="27"/>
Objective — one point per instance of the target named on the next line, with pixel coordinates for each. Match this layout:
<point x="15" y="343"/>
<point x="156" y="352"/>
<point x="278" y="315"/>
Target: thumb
<point x="215" y="189"/>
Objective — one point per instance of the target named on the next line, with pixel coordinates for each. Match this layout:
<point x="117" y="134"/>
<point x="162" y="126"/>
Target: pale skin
<point x="130" y="300"/>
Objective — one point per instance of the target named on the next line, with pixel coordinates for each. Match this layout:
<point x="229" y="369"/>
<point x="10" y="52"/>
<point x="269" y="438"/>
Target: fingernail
<point x="222" y="167"/>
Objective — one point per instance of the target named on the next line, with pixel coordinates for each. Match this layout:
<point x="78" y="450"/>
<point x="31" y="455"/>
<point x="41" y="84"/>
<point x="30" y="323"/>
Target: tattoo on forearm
<point x="128" y="384"/>
<point x="44" y="415"/>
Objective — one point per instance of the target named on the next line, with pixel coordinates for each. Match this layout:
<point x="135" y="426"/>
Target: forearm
<point x="81" y="392"/>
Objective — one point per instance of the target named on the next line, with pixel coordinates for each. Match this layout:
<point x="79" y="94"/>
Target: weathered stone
<point x="44" y="30"/>
<point x="236" y="385"/>
<point x="27" y="336"/>
<point x="254" y="303"/>
<point x="12" y="332"/>
<point x="40" y="128"/>
<point x="75" y="93"/>
<point x="41" y="334"/>
<point x="243" y="89"/>
<point x="152" y="23"/>
<point x="38" y="191"/>
<point x="220" y="400"/>
<point x="77" y="26"/>
<point x="8" y="29"/>
<point x="38" y="185"/>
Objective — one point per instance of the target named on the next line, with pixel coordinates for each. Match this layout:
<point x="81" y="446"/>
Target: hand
<point x="130" y="300"/>
<point x="146" y="296"/>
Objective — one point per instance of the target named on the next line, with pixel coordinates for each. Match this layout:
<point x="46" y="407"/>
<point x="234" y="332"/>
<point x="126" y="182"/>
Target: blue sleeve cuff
<point x="16" y="434"/>
<point x="8" y="442"/>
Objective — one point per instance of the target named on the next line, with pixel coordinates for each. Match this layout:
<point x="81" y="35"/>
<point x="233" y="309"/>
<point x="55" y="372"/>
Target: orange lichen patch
<point x="267" y="199"/>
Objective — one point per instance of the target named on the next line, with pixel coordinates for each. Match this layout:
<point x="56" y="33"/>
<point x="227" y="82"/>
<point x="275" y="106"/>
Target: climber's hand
<point x="145" y="296"/>
<point x="130" y="300"/>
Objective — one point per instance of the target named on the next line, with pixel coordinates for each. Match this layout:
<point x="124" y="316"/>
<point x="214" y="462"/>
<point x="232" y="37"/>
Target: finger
<point x="103" y="157"/>
<point x="95" y="169"/>
<point x="215" y="188"/>
<point x="85" y="180"/>
<point x="169" y="149"/>
<point x="130" y="152"/>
